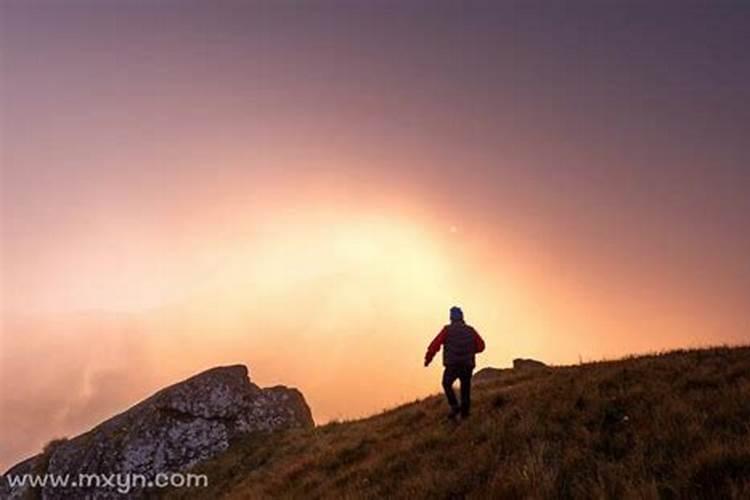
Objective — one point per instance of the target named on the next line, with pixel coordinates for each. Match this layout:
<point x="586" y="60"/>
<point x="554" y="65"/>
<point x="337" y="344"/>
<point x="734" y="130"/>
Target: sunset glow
<point x="307" y="192"/>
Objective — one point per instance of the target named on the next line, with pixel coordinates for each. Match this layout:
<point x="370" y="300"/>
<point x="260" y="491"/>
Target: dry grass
<point x="672" y="425"/>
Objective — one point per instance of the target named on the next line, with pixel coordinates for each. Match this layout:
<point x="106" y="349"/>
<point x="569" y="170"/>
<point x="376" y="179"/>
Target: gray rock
<point x="28" y="466"/>
<point x="174" y="429"/>
<point x="525" y="364"/>
<point x="489" y="374"/>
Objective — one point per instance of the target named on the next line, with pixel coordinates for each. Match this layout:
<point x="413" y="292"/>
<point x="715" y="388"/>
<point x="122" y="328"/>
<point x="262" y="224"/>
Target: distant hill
<point x="672" y="425"/>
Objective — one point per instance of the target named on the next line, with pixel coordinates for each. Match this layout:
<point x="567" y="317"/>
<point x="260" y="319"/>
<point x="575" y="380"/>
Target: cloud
<point x="59" y="376"/>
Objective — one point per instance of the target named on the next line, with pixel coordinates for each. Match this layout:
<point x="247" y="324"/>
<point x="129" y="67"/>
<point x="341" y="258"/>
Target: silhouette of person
<point x="460" y="344"/>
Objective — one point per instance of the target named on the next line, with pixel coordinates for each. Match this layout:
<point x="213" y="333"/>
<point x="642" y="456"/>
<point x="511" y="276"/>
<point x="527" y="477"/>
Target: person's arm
<point x="434" y="347"/>
<point x="478" y="343"/>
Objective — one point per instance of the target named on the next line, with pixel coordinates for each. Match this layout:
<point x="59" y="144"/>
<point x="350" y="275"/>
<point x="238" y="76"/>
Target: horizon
<point x="307" y="188"/>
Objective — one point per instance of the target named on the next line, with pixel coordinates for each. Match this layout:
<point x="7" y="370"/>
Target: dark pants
<point x="463" y="373"/>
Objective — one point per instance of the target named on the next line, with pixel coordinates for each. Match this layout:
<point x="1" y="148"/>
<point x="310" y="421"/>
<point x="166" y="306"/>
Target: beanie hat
<point x="456" y="314"/>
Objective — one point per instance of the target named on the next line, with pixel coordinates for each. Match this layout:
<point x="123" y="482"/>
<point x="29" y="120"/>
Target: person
<point x="460" y="344"/>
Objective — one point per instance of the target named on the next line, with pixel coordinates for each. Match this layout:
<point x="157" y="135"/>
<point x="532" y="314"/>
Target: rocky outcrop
<point x="171" y="431"/>
<point x="525" y="364"/>
<point x="487" y="374"/>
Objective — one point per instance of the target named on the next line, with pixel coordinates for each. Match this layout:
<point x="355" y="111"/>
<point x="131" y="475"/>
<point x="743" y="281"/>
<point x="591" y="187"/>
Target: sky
<point x="307" y="187"/>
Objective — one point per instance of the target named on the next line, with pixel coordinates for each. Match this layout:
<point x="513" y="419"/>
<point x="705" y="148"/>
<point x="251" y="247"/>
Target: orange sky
<point x="309" y="194"/>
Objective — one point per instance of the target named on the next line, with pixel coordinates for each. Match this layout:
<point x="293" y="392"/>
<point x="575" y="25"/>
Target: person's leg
<point x="449" y="376"/>
<point x="465" y="378"/>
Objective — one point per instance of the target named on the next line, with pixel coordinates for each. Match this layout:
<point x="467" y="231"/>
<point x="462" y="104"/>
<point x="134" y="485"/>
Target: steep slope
<point x="673" y="425"/>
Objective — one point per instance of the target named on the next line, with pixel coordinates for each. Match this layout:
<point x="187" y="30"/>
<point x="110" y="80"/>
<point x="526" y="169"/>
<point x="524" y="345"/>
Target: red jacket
<point x="460" y="343"/>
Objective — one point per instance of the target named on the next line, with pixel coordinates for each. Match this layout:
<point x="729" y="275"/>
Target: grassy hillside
<point x="673" y="425"/>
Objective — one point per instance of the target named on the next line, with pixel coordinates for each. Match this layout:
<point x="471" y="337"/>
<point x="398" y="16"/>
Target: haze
<point x="307" y="187"/>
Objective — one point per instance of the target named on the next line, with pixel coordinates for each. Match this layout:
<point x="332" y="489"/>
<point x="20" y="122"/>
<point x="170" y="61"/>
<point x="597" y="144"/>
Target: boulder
<point x="487" y="374"/>
<point x="525" y="364"/>
<point x="173" y="430"/>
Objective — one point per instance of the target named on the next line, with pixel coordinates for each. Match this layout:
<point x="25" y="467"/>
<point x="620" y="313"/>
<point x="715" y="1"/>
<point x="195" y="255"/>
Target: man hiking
<point x="460" y="343"/>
